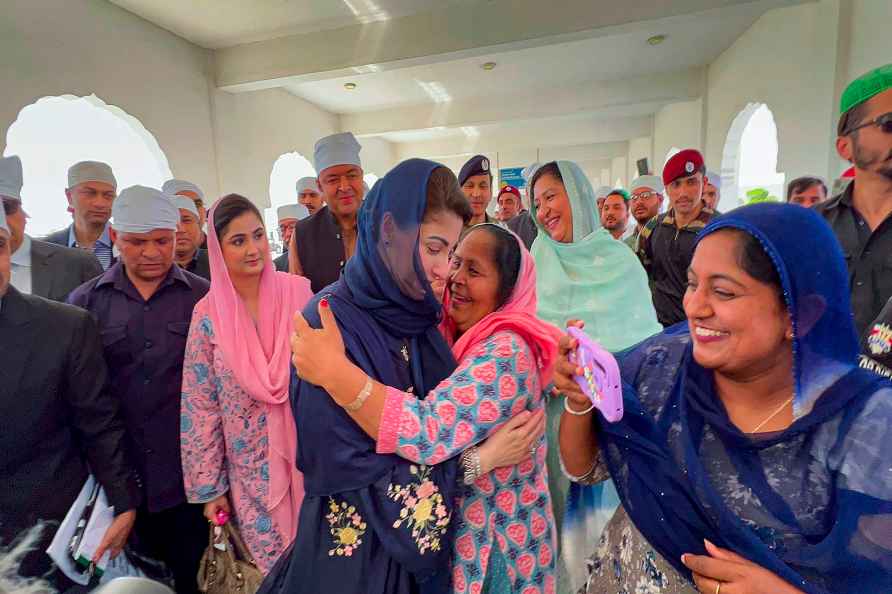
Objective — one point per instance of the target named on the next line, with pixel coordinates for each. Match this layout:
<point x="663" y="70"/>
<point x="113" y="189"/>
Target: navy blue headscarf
<point x="385" y="276"/>
<point x="812" y="503"/>
<point x="383" y="298"/>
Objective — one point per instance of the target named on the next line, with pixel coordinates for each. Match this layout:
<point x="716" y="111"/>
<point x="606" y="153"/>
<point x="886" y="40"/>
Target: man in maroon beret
<point x="509" y="203"/>
<point x="666" y="243"/>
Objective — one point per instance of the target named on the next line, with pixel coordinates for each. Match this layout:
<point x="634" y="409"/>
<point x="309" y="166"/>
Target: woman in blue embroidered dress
<point x="505" y="533"/>
<point x="353" y="536"/>
<point x="753" y="456"/>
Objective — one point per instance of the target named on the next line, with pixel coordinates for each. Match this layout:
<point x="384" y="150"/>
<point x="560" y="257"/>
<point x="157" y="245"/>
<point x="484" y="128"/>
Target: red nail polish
<point x="324" y="303"/>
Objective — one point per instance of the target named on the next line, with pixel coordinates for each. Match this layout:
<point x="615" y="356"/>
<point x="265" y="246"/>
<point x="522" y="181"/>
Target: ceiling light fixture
<point x="350" y="86"/>
<point x="488" y="65"/>
<point x="656" y="39"/>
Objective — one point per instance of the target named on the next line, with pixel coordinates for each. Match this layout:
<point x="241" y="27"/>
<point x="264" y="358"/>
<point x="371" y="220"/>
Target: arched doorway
<point x="287" y="169"/>
<point x="53" y="133"/>
<point x="749" y="158"/>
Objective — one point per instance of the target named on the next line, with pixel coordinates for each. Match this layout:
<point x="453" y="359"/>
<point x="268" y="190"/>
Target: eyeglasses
<point x="10" y="206"/>
<point x="642" y="196"/>
<point x="883" y="122"/>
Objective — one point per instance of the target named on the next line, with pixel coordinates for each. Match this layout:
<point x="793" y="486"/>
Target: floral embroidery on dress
<point x="423" y="509"/>
<point x="346" y="527"/>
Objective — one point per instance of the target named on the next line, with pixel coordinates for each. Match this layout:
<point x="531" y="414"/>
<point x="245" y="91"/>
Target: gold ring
<point x="718" y="588"/>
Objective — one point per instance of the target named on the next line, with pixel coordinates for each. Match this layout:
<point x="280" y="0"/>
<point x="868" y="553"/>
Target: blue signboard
<point x="512" y="176"/>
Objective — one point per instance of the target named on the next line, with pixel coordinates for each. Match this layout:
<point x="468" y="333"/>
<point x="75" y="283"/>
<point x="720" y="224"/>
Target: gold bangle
<point x="362" y="397"/>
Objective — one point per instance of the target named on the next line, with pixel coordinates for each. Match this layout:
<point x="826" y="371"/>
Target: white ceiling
<point x="615" y="113"/>
<point x="545" y="70"/>
<point x="693" y="40"/>
<point x="223" y="23"/>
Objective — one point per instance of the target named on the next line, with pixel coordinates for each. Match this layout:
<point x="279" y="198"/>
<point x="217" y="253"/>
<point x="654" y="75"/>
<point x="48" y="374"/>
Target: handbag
<point x="226" y="566"/>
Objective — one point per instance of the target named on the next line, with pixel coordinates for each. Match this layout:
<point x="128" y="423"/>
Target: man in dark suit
<point x="56" y="419"/>
<point x="187" y="254"/>
<point x="92" y="188"/>
<point x="39" y="268"/>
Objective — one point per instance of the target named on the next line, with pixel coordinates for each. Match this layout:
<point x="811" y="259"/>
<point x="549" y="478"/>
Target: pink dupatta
<point x="518" y="314"/>
<point x="260" y="358"/>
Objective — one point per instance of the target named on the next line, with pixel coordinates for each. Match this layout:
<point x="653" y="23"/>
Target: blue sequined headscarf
<point x="812" y="503"/>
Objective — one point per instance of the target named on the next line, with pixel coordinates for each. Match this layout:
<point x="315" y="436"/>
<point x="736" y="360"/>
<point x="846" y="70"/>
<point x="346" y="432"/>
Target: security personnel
<point x="666" y="244"/>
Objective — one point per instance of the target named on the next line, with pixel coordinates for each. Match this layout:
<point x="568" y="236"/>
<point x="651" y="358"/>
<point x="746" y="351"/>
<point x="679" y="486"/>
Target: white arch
<point x="750" y="154"/>
<point x="287" y="169"/>
<point x="55" y="132"/>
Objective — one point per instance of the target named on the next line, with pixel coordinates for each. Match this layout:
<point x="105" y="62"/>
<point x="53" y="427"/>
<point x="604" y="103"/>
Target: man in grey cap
<point x="308" y="194"/>
<point x="144" y="307"/>
<point x="322" y="243"/>
<point x="92" y="188"/>
<point x="189" y="256"/>
<point x="712" y="189"/>
<point x="645" y="202"/>
<point x="288" y="215"/>
<point x="60" y="424"/>
<point x="39" y="268"/>
<point x="181" y="187"/>
<point x="601" y="196"/>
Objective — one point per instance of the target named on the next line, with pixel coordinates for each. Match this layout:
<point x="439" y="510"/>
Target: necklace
<point x="772" y="415"/>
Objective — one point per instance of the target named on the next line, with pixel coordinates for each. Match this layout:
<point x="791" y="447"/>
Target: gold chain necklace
<point x="772" y="415"/>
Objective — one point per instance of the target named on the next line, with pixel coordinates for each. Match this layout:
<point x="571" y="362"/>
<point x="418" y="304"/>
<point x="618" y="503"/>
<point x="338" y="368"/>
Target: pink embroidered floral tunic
<point x="507" y="511"/>
<point x="224" y="444"/>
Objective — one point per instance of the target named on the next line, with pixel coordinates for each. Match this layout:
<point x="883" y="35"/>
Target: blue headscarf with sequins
<point x="812" y="503"/>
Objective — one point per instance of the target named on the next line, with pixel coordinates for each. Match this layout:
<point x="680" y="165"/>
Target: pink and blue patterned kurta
<point x="223" y="442"/>
<point x="509" y="508"/>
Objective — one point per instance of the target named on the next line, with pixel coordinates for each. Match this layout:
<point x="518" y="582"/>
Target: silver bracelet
<point x="575" y="413"/>
<point x="470" y="460"/>
<point x="362" y="397"/>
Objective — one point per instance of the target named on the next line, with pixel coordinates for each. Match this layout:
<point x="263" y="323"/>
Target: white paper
<point x="58" y="549"/>
<point x="100" y="520"/>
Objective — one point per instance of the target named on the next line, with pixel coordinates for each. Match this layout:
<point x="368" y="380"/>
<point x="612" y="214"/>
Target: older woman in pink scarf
<point x="505" y="535"/>
<point x="238" y="436"/>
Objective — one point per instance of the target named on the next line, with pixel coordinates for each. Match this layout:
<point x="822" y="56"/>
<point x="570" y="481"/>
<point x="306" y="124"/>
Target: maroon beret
<point x="683" y="164"/>
<point x="507" y="189"/>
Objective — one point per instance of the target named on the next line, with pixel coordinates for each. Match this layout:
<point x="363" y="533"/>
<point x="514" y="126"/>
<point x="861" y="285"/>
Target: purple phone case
<point x="600" y="381"/>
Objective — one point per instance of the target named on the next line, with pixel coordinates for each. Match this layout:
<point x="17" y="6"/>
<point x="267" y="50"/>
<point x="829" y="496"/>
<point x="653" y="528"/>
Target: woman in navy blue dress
<point x="360" y="529"/>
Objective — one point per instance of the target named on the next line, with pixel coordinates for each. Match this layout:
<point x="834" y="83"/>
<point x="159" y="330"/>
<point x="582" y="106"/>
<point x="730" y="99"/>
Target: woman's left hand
<point x="513" y="442"/>
<point x="318" y="354"/>
<point x="726" y="572"/>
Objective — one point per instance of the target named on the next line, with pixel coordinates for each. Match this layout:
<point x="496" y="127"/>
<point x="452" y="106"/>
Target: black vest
<point x="320" y="249"/>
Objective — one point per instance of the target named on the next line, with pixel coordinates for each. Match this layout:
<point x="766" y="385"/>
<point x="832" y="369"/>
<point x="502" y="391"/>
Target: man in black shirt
<point x="666" y="243"/>
<point x="861" y="215"/>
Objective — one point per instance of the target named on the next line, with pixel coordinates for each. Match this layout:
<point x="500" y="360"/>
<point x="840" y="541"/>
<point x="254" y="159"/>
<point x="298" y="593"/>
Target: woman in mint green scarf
<point x="583" y="273"/>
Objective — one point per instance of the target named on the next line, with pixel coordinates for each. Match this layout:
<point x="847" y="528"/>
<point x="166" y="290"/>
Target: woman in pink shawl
<point x="504" y="540"/>
<point x="238" y="437"/>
